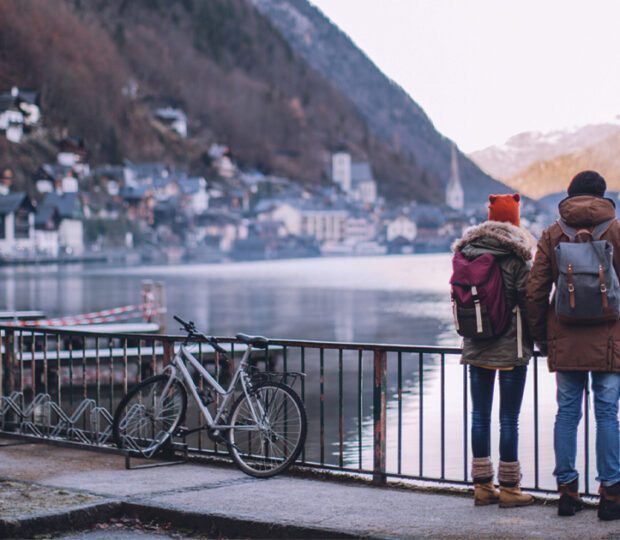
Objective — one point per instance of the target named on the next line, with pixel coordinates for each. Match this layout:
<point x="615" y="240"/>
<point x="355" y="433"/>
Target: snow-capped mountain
<point x="525" y="149"/>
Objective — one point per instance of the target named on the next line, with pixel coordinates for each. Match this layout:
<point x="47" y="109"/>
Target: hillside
<point x="525" y="149"/>
<point x="391" y="114"/>
<point x="553" y="175"/>
<point x="102" y="67"/>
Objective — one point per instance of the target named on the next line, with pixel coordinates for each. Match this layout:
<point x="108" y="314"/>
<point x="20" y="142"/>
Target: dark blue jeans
<point x="511" y="385"/>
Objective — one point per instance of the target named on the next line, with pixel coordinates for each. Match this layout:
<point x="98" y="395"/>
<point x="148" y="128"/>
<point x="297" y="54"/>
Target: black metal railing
<point x="390" y="411"/>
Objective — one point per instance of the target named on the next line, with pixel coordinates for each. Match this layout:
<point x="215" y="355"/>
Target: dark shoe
<point x="570" y="502"/>
<point x="609" y="505"/>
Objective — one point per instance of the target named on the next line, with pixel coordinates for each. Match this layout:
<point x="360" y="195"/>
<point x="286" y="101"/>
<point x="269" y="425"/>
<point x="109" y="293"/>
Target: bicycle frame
<point x="240" y="375"/>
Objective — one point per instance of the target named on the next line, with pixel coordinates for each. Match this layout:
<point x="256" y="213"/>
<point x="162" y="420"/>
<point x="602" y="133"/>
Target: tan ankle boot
<point x="512" y="496"/>
<point x="485" y="494"/>
<point x="482" y="473"/>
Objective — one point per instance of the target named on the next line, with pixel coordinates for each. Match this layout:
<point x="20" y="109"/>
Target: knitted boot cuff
<point x="482" y="468"/>
<point x="509" y="473"/>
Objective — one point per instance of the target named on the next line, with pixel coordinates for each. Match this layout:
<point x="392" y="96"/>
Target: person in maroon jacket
<point x="580" y="352"/>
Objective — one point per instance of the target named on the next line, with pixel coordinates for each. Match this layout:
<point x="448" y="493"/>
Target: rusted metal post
<point x="379" y="416"/>
<point x="9" y="368"/>
<point x="168" y="352"/>
<point x="3" y="368"/>
<point x="148" y="299"/>
<point x="160" y="305"/>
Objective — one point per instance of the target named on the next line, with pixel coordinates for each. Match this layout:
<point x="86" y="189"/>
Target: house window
<point x="22" y="223"/>
<point x="2" y="231"/>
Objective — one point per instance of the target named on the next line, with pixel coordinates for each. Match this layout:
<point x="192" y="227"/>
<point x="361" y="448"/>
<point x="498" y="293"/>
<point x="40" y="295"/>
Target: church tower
<point x="455" y="197"/>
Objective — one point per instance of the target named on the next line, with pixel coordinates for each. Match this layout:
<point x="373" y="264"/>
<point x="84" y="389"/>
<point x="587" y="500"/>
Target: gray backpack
<point x="587" y="289"/>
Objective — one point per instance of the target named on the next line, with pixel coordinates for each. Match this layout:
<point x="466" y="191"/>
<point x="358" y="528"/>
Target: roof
<point x="147" y="169"/>
<point x="189" y="186"/>
<point x="7" y="101"/>
<point x="114" y="172"/>
<point x="216" y="217"/>
<point x="361" y="172"/>
<point x="55" y="170"/>
<point x="29" y="95"/>
<point x="133" y="192"/>
<point x="170" y="114"/>
<point x="43" y="215"/>
<point x="11" y="202"/>
<point x="67" y="204"/>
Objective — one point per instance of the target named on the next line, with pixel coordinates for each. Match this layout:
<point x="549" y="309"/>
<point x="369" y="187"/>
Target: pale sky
<point x="484" y="70"/>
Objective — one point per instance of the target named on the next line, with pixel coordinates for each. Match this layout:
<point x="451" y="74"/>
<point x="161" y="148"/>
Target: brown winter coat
<point x="572" y="348"/>
<point x="512" y="247"/>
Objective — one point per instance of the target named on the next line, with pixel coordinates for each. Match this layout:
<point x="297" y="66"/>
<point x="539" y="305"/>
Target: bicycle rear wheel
<point x="148" y="415"/>
<point x="270" y="445"/>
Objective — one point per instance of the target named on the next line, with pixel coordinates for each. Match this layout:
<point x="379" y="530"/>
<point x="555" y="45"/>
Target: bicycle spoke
<point x="279" y="433"/>
<point x="146" y="417"/>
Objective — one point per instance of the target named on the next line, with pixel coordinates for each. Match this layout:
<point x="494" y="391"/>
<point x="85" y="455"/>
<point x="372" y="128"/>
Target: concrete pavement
<point x="73" y="488"/>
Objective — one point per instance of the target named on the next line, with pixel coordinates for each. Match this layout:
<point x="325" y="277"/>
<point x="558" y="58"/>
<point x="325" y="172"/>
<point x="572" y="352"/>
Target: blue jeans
<point x="511" y="385"/>
<point x="606" y="390"/>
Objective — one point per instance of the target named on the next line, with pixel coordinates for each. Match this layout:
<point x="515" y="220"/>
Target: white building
<point x="226" y="228"/>
<point x="18" y="110"/>
<point x="363" y="184"/>
<point x="61" y="214"/>
<point x="355" y="179"/>
<point x="341" y="170"/>
<point x="16" y="224"/>
<point x="402" y="227"/>
<point x="455" y="197"/>
<point x="302" y="218"/>
<point x="12" y="123"/>
<point x="174" y="119"/>
<point x="360" y="227"/>
<point x="194" y="190"/>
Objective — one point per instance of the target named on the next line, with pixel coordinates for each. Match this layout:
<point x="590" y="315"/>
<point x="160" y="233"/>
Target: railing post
<point x="379" y="416"/>
<point x="160" y="305"/>
<point x="8" y="369"/>
<point x="168" y="352"/>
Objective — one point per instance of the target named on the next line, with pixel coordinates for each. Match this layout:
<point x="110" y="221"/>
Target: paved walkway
<point x="63" y="488"/>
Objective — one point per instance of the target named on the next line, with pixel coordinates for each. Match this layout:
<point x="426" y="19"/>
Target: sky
<point x="484" y="70"/>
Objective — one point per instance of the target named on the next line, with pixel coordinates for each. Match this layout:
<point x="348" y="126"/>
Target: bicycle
<point x="264" y="430"/>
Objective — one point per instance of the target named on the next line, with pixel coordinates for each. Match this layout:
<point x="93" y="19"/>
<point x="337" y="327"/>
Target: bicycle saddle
<point x="259" y="342"/>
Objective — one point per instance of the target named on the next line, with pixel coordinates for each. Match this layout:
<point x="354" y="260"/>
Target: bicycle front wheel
<point x="148" y="415"/>
<point x="268" y="429"/>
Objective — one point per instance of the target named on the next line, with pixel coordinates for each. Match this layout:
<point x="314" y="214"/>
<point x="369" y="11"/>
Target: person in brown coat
<point x="578" y="352"/>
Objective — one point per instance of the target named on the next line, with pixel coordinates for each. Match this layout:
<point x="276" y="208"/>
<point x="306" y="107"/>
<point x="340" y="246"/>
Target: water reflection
<point x="399" y="300"/>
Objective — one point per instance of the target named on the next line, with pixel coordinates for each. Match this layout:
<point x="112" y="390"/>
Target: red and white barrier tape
<point x="107" y="315"/>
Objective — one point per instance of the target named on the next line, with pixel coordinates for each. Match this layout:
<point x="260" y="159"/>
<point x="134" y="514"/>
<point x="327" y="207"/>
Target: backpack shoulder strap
<point x="601" y="228"/>
<point x="567" y="230"/>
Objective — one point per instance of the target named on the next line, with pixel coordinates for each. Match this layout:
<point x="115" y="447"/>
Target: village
<point x="155" y="213"/>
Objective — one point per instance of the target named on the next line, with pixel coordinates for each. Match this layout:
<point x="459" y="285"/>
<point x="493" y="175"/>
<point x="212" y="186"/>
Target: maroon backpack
<point x="478" y="299"/>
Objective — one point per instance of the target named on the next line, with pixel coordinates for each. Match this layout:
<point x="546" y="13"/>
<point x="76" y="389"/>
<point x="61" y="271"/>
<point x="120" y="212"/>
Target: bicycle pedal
<point x="216" y="436"/>
<point x="180" y="431"/>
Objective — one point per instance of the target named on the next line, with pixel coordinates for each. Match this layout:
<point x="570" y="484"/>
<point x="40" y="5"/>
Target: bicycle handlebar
<point x="190" y="328"/>
<point x="187" y="326"/>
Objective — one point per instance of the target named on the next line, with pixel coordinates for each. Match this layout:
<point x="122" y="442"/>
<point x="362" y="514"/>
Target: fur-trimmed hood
<point x="497" y="237"/>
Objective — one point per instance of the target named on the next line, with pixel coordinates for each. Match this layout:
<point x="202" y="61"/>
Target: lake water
<point x="388" y="299"/>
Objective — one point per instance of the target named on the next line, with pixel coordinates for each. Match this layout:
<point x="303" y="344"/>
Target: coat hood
<point x="586" y="210"/>
<point x="499" y="238"/>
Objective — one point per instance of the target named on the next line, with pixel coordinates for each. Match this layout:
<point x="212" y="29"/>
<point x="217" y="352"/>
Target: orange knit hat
<point x="504" y="208"/>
